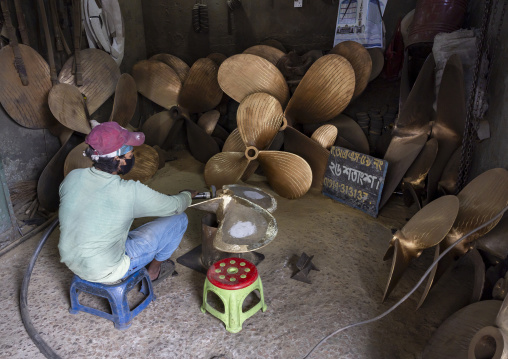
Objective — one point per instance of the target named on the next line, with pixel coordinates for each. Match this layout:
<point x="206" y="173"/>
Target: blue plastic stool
<point x="116" y="294"/>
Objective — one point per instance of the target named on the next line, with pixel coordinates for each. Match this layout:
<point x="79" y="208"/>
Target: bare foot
<point x="154" y="269"/>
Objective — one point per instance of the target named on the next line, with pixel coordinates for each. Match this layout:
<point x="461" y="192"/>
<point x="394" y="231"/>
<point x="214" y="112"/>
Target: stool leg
<point x="205" y="293"/>
<point x="74" y="294"/>
<point x="120" y="308"/>
<point x="234" y="313"/>
<point x="263" y="307"/>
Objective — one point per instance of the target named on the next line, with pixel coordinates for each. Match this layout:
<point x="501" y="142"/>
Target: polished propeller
<point x="424" y="230"/>
<point x="259" y="120"/>
<point x="411" y="129"/>
<point x="450" y="120"/>
<point x="480" y="201"/>
<point x="244" y="226"/>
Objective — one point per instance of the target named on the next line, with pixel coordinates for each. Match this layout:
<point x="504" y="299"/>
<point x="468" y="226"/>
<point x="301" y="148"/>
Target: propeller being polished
<point x="480" y="201"/>
<point x="259" y="120"/>
<point x="425" y="229"/>
<point x="244" y="226"/>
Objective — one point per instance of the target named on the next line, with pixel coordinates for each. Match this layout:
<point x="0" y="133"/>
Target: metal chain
<point x="471" y="125"/>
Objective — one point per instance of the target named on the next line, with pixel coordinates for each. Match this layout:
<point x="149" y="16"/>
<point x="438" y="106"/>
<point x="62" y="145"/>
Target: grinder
<point x="208" y="194"/>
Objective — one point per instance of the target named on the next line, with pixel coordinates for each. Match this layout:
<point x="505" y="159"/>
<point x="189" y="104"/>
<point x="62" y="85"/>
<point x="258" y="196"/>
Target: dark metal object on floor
<point x="304" y="266"/>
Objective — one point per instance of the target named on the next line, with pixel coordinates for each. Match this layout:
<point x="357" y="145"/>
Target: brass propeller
<point x="243" y="225"/>
<point x="482" y="199"/>
<point x="158" y="82"/>
<point x="424" y="230"/>
<point x="269" y="53"/>
<point x="98" y="67"/>
<point x="244" y="74"/>
<point x="361" y="61"/>
<point x="67" y="105"/>
<point x="259" y="119"/>
<point x="126" y="98"/>
<point x="411" y="129"/>
<point x="450" y="121"/>
<point x="180" y="67"/>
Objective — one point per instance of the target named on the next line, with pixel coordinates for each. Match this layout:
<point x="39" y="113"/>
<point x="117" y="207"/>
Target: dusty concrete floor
<point x="347" y="245"/>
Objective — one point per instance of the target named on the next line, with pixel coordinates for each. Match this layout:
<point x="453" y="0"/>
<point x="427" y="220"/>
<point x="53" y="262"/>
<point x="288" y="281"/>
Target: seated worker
<point x="97" y="208"/>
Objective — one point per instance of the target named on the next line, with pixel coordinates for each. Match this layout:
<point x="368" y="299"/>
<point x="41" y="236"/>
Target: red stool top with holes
<point x="232" y="273"/>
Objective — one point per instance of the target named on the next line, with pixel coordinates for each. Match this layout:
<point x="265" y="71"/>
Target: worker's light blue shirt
<point x="96" y="212"/>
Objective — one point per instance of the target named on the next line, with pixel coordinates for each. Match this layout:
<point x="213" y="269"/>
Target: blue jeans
<point x="154" y="240"/>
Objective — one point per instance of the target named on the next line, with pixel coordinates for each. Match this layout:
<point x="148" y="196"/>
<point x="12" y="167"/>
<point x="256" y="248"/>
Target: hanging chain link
<point x="485" y="52"/>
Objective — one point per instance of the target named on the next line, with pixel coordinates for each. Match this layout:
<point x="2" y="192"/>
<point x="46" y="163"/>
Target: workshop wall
<point x="493" y="152"/>
<point x="25" y="152"/>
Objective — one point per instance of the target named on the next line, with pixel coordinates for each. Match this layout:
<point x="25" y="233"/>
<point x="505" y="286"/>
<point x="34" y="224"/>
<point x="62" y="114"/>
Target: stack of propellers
<point x="433" y="161"/>
<point x="262" y="92"/>
<point x="169" y="82"/>
<point x="444" y="221"/>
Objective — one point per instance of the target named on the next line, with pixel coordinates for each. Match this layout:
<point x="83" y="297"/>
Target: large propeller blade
<point x="288" y="174"/>
<point x="225" y="168"/>
<point x="361" y="61"/>
<point x="482" y="199"/>
<point x="208" y="121"/>
<point x="201" y="91"/>
<point x="157" y="82"/>
<point x="202" y="146"/>
<point x="234" y="142"/>
<point x="259" y="118"/>
<point x="255" y="195"/>
<point x="75" y="159"/>
<point x="156" y="128"/>
<point x="244" y="74"/>
<point x="180" y="67"/>
<point x="425" y="229"/>
<point x="267" y="52"/>
<point x="98" y="67"/>
<point x="67" y="105"/>
<point x="323" y="92"/>
<point x="126" y="98"/>
<point x="450" y="121"/>
<point x="418" y="171"/>
<point x="325" y="135"/>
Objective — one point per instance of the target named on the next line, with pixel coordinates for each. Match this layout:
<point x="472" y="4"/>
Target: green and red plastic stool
<point x="232" y="280"/>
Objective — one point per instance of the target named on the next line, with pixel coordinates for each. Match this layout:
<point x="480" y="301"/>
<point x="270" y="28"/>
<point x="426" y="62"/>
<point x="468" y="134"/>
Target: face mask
<point x="129" y="163"/>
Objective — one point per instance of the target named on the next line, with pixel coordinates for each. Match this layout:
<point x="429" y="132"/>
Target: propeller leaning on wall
<point x="425" y="229"/>
<point x="482" y="199"/>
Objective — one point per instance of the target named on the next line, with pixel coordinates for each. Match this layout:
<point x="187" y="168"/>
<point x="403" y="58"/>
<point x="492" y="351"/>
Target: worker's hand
<point x="192" y="192"/>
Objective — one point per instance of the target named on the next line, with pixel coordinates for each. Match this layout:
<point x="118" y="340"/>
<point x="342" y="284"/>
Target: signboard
<point x="355" y="179"/>
<point x="360" y="21"/>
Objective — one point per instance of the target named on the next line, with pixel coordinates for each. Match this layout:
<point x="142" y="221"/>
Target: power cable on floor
<point x="412" y="290"/>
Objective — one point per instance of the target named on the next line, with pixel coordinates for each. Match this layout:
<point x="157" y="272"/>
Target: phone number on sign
<point x="345" y="189"/>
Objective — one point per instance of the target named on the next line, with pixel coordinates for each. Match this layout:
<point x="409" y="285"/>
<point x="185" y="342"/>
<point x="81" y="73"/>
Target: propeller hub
<point x="284" y="124"/>
<point x="251" y="153"/>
